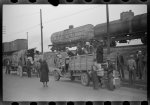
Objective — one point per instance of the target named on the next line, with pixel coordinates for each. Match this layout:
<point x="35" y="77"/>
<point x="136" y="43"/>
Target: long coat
<point x="44" y="77"/>
<point x="99" y="54"/>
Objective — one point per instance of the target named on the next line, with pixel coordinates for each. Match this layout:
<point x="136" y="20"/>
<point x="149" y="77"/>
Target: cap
<point x="87" y="43"/>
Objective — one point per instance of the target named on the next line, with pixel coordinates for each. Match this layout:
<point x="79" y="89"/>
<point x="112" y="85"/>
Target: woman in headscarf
<point x="44" y="72"/>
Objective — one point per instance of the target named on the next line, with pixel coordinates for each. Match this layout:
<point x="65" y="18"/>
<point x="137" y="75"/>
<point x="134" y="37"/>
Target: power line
<point x="29" y="28"/>
<point x="52" y="20"/>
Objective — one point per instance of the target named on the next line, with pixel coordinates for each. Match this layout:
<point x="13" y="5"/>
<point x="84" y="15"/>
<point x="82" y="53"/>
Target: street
<point x="17" y="88"/>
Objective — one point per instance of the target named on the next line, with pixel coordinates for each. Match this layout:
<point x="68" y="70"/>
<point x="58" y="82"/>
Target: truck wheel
<point x="56" y="76"/>
<point x="72" y="78"/>
<point x="85" y="79"/>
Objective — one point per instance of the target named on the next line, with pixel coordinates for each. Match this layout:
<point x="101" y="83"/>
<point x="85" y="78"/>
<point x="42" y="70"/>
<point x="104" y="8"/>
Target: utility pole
<point x="41" y="31"/>
<point x="108" y="37"/>
<point x="27" y="40"/>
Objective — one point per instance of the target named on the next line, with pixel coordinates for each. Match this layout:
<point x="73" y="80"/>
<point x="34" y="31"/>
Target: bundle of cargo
<point x="16" y="56"/>
<point x="16" y="45"/>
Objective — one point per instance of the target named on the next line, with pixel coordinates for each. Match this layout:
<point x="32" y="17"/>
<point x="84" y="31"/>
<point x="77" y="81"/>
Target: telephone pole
<point x="108" y="37"/>
<point x="41" y="31"/>
<point x="27" y="40"/>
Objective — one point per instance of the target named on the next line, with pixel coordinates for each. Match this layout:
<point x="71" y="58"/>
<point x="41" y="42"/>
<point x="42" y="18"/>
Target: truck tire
<point x="85" y="79"/>
<point x="56" y="76"/>
<point x="72" y="78"/>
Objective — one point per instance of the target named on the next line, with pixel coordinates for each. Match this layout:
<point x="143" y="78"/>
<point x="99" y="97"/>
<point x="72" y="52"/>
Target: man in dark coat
<point x="140" y="64"/>
<point x="8" y="66"/>
<point x="29" y="68"/>
<point x="120" y="64"/>
<point x="44" y="76"/>
<point x="99" y="53"/>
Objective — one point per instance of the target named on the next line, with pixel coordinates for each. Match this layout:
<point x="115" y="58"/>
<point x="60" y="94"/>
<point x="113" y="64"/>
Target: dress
<point x="44" y="77"/>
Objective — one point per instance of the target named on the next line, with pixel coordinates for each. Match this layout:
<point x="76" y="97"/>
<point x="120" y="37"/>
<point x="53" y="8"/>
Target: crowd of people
<point x="136" y="64"/>
<point x="40" y="66"/>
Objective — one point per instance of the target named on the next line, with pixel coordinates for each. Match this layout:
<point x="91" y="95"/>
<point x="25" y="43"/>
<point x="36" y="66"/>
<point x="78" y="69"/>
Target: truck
<point x="80" y="67"/>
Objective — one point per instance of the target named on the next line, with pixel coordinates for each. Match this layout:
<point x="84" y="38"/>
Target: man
<point x="110" y="69"/>
<point x="89" y="48"/>
<point x="79" y="50"/>
<point x="99" y="53"/>
<point x="120" y="64"/>
<point x="136" y="60"/>
<point x="145" y="66"/>
<point x="7" y="66"/>
<point x="29" y="67"/>
<point x="20" y="67"/>
<point x="94" y="75"/>
<point x="131" y="64"/>
<point x="140" y="64"/>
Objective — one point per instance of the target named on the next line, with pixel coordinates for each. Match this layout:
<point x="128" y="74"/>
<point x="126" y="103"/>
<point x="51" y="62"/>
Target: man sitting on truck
<point x="89" y="48"/>
<point x="70" y="54"/>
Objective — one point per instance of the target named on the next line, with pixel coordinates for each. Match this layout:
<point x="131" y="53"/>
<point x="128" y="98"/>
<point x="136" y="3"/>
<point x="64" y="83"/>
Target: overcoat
<point x="44" y="77"/>
<point x="99" y="54"/>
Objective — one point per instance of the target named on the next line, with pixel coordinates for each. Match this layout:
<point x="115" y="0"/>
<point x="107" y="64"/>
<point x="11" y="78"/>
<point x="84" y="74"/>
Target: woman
<point x="44" y="77"/>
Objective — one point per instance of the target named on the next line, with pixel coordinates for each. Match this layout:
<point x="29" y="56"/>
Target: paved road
<point x="16" y="88"/>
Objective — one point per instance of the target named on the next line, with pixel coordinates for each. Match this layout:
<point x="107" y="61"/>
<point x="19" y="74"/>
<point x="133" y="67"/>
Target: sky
<point x="20" y="19"/>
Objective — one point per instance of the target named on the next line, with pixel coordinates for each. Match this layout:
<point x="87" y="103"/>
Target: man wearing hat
<point x="131" y="67"/>
<point x="89" y="48"/>
<point x="140" y="64"/>
<point x="99" y="53"/>
<point x="29" y="67"/>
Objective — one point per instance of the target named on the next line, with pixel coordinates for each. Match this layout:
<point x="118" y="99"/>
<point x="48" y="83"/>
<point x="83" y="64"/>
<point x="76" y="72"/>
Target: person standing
<point x="20" y="67"/>
<point x="120" y="64"/>
<point x="136" y="60"/>
<point x="44" y="77"/>
<point x="140" y="64"/>
<point x="29" y="67"/>
<point x="131" y="68"/>
<point x="94" y="75"/>
<point x="99" y="53"/>
<point x="145" y="66"/>
<point x="7" y="66"/>
<point x="110" y="69"/>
